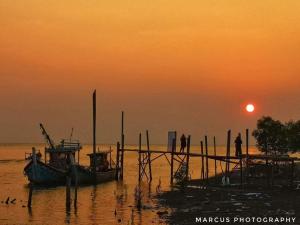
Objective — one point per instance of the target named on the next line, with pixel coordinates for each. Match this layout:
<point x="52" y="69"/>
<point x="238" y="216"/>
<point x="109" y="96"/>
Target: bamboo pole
<point x="122" y="146"/>
<point x="75" y="175"/>
<point x="122" y="130"/>
<point x="241" y="168"/>
<point x="140" y="148"/>
<point x="110" y="156"/>
<point x="117" y="161"/>
<point x="94" y="134"/>
<point x="215" y="154"/>
<point x="75" y="192"/>
<point x="206" y="156"/>
<point x="172" y="160"/>
<point x="149" y="155"/>
<point x="202" y="159"/>
<point x="188" y="157"/>
<point x="30" y="195"/>
<point x="68" y="192"/>
<point x="247" y="155"/>
<point x="228" y="153"/>
<point x="122" y="164"/>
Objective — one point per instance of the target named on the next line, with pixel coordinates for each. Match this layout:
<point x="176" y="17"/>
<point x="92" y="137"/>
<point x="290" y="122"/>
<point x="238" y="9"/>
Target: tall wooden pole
<point x="122" y="129"/>
<point x="206" y="154"/>
<point x="188" y="157"/>
<point x="30" y="195"/>
<point x="75" y="176"/>
<point x="247" y="154"/>
<point x="122" y="132"/>
<point x="75" y="191"/>
<point x="228" y="153"/>
<point x="241" y="168"/>
<point x="122" y="146"/>
<point x="215" y="153"/>
<point x="149" y="155"/>
<point x="68" y="192"/>
<point x="202" y="159"/>
<point x="172" y="160"/>
<point x="110" y="156"/>
<point x="94" y="133"/>
<point x="140" y="163"/>
<point x="118" y="161"/>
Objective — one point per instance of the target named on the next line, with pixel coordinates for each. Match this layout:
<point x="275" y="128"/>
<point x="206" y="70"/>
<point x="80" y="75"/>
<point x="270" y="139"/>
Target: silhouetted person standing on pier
<point x="183" y="143"/>
<point x="238" y="145"/>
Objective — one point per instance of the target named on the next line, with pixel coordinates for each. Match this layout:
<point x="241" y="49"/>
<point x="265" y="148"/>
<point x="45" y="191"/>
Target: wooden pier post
<point x="94" y="134"/>
<point x="34" y="159"/>
<point x="247" y="155"/>
<point x="68" y="192"/>
<point x="122" y="164"/>
<point x="117" y="161"/>
<point x="140" y="163"/>
<point x="202" y="159"/>
<point x="75" y="192"/>
<point x="110" y="156"/>
<point x="122" y="146"/>
<point x="206" y="156"/>
<point x="172" y="160"/>
<point x="228" y="154"/>
<point x="122" y="130"/>
<point x="241" y="168"/>
<point x="75" y="176"/>
<point x="188" y="157"/>
<point x="149" y="155"/>
<point x="30" y="195"/>
<point x="215" y="154"/>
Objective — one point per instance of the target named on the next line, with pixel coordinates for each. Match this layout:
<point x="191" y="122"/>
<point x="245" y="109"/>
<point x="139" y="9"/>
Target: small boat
<point x="103" y="169"/>
<point x="62" y="163"/>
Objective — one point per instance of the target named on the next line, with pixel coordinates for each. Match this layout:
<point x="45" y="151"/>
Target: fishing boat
<point x="60" y="162"/>
<point x="54" y="170"/>
<point x="100" y="170"/>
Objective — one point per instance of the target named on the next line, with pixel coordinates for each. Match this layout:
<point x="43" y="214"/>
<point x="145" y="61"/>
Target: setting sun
<point x="250" y="108"/>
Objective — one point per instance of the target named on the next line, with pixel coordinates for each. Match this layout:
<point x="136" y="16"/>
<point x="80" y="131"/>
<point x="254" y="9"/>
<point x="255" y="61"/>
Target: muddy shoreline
<point x="184" y="203"/>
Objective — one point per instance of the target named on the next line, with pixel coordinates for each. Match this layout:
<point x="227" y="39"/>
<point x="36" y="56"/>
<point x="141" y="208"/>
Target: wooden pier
<point x="244" y="163"/>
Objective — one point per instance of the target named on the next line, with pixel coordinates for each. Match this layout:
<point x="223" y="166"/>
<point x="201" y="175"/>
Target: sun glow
<point x="250" y="108"/>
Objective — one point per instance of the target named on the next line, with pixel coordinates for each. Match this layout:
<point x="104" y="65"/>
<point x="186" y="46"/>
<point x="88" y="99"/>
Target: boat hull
<point x="43" y="174"/>
<point x="85" y="176"/>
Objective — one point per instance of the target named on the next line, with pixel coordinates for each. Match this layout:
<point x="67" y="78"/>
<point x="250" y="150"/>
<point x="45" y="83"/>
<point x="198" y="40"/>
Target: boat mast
<point x="47" y="137"/>
<point x="94" y="132"/>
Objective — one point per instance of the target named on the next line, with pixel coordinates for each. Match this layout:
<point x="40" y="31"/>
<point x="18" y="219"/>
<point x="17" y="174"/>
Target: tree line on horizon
<point x="275" y="137"/>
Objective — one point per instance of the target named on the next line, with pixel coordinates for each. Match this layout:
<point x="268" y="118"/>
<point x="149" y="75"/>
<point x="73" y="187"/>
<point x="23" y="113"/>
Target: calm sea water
<point x="96" y="204"/>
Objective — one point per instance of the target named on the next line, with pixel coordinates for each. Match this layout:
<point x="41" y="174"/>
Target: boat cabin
<point x="59" y="157"/>
<point x="100" y="161"/>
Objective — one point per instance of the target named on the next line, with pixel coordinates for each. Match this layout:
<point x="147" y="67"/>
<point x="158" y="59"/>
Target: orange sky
<point x="168" y="64"/>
